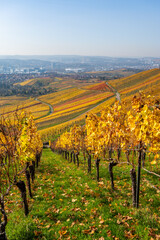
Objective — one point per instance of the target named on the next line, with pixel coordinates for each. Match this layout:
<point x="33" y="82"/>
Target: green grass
<point x="70" y="204"/>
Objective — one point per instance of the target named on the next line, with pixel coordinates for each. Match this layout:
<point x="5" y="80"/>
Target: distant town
<point x="71" y="64"/>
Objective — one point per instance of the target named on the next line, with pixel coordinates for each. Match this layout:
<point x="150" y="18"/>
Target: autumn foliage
<point x="118" y="127"/>
<point x="20" y="150"/>
<point x="119" y="130"/>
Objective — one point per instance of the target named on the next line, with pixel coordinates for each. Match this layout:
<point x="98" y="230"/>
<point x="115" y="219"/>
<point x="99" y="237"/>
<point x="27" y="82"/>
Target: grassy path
<point x="69" y="204"/>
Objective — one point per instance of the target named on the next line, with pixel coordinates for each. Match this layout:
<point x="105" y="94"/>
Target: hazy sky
<point x="80" y="27"/>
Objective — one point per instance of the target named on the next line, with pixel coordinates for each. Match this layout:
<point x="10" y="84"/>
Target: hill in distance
<point x="74" y="97"/>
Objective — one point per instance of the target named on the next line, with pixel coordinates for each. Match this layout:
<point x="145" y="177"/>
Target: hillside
<point x="53" y="83"/>
<point x="75" y="199"/>
<point x="10" y="104"/>
<point x="70" y="204"/>
<point x="74" y="97"/>
<point x="147" y="81"/>
<point x="68" y="104"/>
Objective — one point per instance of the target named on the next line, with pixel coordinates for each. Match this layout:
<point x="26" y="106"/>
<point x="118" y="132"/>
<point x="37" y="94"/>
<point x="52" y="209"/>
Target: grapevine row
<point x="20" y="152"/>
<point x="121" y="129"/>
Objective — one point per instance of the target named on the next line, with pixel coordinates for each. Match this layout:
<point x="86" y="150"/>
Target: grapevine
<point x="20" y="147"/>
<point x="120" y="129"/>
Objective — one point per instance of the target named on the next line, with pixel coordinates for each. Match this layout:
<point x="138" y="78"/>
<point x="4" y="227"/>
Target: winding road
<point x="117" y="94"/>
<point x="50" y="106"/>
<point x="118" y="97"/>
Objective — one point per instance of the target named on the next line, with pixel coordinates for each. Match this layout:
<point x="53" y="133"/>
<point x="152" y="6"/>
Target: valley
<point x="71" y="97"/>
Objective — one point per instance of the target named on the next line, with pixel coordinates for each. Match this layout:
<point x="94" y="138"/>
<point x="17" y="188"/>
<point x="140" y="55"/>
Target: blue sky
<point x="118" y="28"/>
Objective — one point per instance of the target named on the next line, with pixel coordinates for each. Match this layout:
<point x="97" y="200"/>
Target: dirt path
<point x="50" y="106"/>
<point x="118" y="97"/>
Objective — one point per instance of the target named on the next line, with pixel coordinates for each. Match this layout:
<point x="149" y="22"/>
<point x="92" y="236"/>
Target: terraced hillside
<point x="10" y="104"/>
<point x="147" y="81"/>
<point x="71" y="103"/>
<point x="74" y="98"/>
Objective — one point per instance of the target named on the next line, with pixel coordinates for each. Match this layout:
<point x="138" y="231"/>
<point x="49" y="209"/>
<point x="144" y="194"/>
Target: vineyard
<point x="9" y="105"/>
<point x="100" y="172"/>
<point x="20" y="151"/>
<point x="73" y="98"/>
<point x="147" y="81"/>
<point x="68" y="104"/>
<point x="133" y="132"/>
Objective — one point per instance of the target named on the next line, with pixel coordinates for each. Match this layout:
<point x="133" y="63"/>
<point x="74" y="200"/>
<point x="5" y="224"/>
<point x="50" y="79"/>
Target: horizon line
<point x="72" y="55"/>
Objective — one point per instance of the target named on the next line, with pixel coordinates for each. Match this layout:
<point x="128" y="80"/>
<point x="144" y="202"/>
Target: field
<point x="147" y="81"/>
<point x="72" y="100"/>
<point x="10" y="104"/>
<point x="58" y="83"/>
<point x="70" y="204"/>
<point x="70" y="201"/>
<point x="52" y="132"/>
<point x="74" y="97"/>
<point x="68" y="104"/>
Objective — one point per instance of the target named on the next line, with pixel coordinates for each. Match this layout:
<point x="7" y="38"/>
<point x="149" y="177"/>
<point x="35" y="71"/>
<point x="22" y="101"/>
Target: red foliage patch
<point x="98" y="99"/>
<point x="88" y="95"/>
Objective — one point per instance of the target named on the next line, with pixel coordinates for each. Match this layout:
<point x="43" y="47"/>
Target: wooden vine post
<point x="139" y="174"/>
<point x="111" y="165"/>
<point x="77" y="159"/>
<point x="4" y="222"/>
<point x="97" y="168"/>
<point x="133" y="179"/>
<point x="22" y="187"/>
<point x="89" y="163"/>
<point x="27" y="173"/>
